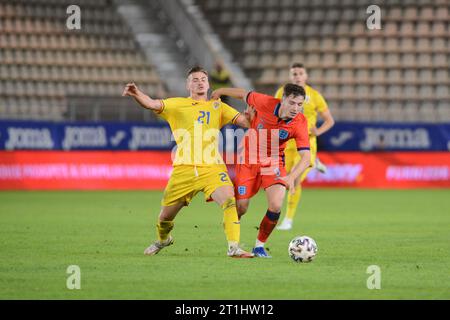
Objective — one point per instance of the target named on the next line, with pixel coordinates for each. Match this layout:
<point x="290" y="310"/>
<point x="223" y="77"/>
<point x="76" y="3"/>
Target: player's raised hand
<point x="314" y="131"/>
<point x="250" y="113"/>
<point x="216" y="94"/>
<point x="131" y="90"/>
<point x="290" y="183"/>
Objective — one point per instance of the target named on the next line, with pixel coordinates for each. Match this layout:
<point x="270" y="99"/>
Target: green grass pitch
<point x="406" y="233"/>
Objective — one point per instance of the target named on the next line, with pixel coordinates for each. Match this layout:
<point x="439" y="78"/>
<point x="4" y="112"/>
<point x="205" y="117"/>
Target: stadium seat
<point x="410" y="76"/>
<point x="428" y="112"/>
<point x="342" y="45"/>
<point x="268" y="77"/>
<point x="363" y="111"/>
<point x="395" y="112"/>
<point x="378" y="111"/>
<point x="442" y="91"/>
<point x="345" y="60"/>
<point x="442" y="13"/>
<point x="347" y="111"/>
<point x="438" y="29"/>
<point x="348" y="76"/>
<point x="360" y="44"/>
<point x="378" y="90"/>
<point x="443" y="111"/>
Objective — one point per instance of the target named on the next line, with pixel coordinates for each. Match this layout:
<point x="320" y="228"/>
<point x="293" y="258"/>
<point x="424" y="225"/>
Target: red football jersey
<point x="268" y="133"/>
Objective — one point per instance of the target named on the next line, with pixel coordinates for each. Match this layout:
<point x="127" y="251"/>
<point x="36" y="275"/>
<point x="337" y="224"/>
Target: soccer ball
<point x="302" y="249"/>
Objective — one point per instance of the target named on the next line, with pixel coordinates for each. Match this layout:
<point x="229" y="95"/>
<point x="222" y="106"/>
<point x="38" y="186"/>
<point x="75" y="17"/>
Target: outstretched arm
<point x="131" y="90"/>
<point x="245" y="119"/>
<point x="328" y="122"/>
<point x="236" y="93"/>
<point x="242" y="121"/>
<point x="297" y="170"/>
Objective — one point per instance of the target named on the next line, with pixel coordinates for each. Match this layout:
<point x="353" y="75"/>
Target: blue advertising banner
<point x="34" y="135"/>
<point x="351" y="136"/>
<point x="344" y="136"/>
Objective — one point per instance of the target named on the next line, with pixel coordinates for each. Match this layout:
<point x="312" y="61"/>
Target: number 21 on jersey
<point x="203" y="115"/>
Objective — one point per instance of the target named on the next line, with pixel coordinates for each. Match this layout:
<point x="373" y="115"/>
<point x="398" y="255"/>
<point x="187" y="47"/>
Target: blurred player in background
<point x="185" y="116"/>
<point x="314" y="105"/>
<point x="220" y="78"/>
<point x="279" y="119"/>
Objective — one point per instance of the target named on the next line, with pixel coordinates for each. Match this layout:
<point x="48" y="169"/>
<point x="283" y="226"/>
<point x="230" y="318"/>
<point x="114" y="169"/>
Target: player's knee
<point x="229" y="194"/>
<point x="223" y="196"/>
<point x="242" y="208"/>
<point x="228" y="203"/>
<point x="169" y="213"/>
<point x="165" y="216"/>
<point x="275" y="206"/>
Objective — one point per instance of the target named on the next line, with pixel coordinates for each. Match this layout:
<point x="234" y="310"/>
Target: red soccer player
<point x="261" y="164"/>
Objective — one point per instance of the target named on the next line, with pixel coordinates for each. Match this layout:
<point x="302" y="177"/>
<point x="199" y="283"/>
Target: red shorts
<point x="251" y="177"/>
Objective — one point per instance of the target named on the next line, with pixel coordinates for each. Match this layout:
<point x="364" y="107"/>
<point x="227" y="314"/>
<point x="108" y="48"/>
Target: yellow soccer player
<point x="314" y="104"/>
<point x="195" y="122"/>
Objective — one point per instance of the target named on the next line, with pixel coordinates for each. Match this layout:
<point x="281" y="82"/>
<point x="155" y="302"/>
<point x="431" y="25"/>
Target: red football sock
<point x="267" y="225"/>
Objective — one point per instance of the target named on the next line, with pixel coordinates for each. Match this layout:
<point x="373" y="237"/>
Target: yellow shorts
<point x="186" y="181"/>
<point x="291" y="157"/>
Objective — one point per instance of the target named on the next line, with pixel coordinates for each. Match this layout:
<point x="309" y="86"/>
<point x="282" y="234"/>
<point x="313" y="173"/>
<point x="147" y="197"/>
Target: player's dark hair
<point x="293" y="89"/>
<point x="297" y="65"/>
<point x="196" y="69"/>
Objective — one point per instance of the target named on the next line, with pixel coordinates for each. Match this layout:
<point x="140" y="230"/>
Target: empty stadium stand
<point x="398" y="73"/>
<point x="47" y="69"/>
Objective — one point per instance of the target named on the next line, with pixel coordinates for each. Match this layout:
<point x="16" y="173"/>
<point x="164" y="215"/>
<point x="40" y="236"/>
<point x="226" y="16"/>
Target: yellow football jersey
<point x="314" y="103"/>
<point x="195" y="127"/>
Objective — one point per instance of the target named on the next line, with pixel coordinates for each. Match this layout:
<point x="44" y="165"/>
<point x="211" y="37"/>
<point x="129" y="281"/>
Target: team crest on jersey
<point x="260" y="126"/>
<point x="283" y="134"/>
<point x="242" y="190"/>
<point x="216" y="105"/>
<point x="277" y="172"/>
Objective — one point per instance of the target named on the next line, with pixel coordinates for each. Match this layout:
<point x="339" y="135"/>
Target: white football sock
<point x="259" y="244"/>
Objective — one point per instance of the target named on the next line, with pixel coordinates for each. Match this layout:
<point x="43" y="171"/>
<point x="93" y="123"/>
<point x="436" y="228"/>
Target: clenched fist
<point x="250" y="113"/>
<point x="131" y="90"/>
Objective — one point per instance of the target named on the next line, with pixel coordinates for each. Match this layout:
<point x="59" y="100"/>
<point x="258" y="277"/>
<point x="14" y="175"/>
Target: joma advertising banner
<point x="354" y="136"/>
<point x="69" y="136"/>
<point x="344" y="136"/>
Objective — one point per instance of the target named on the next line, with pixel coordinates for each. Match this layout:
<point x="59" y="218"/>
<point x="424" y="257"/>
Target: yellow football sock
<point x="292" y="202"/>
<point x="163" y="229"/>
<point x="231" y="222"/>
